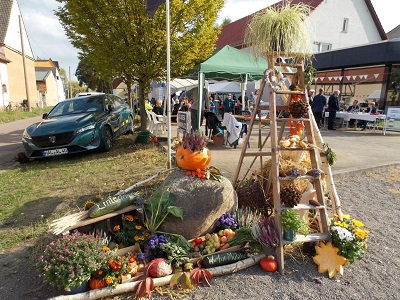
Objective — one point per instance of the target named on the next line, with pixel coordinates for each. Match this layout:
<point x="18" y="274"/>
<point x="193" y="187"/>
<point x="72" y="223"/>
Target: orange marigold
<point x="106" y="249"/>
<point x="136" y="238"/>
<point x="108" y="279"/>
<point x="128" y="218"/>
<point x="138" y="227"/>
<point x="116" y="228"/>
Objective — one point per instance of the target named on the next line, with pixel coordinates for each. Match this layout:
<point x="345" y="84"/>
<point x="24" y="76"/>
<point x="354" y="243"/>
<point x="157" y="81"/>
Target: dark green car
<point x="77" y="125"/>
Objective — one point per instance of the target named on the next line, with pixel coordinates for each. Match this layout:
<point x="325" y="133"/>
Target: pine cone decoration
<point x="290" y="196"/>
<point x="299" y="109"/>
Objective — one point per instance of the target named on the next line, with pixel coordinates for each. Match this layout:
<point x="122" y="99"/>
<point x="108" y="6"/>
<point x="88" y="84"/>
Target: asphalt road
<point x="10" y="141"/>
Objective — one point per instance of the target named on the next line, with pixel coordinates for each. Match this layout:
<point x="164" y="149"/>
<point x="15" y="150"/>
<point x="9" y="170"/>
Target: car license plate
<point x="55" y="152"/>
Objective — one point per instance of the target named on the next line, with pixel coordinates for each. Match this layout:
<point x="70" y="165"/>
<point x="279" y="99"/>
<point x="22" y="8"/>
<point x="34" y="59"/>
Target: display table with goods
<point x="124" y="242"/>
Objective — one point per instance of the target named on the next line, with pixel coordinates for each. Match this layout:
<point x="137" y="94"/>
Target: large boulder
<point x="202" y="201"/>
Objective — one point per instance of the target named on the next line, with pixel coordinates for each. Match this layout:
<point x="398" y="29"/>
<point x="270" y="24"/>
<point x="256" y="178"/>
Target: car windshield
<point x="77" y="106"/>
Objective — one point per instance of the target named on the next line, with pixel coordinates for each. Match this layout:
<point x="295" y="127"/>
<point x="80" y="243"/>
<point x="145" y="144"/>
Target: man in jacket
<point x="333" y="107"/>
<point x="318" y="107"/>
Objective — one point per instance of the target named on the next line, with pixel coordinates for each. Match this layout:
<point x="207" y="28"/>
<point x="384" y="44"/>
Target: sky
<point x="47" y="37"/>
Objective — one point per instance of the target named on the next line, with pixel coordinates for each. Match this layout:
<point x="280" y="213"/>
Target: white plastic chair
<point x="159" y="123"/>
<point x="150" y="123"/>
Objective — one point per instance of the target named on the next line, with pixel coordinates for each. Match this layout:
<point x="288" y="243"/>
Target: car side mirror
<point x="44" y="116"/>
<point x="110" y="107"/>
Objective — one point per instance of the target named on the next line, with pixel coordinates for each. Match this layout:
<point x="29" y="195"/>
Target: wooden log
<point x="129" y="286"/>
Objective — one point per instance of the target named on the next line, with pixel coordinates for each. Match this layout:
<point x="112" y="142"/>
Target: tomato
<point x="193" y="243"/>
<point x="198" y="240"/>
<point x="269" y="264"/>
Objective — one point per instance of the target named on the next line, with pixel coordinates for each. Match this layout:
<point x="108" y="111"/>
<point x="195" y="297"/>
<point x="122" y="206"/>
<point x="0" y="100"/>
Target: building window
<point x="320" y="47"/>
<point x="345" y="24"/>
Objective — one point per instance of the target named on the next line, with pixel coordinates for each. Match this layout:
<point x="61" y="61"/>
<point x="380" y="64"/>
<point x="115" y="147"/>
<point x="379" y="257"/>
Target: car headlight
<point x="86" y="128"/>
<point x="26" y="135"/>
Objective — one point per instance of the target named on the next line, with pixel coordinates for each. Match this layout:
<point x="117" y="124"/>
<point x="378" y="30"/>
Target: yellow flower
<point x="138" y="227"/>
<point x="346" y="217"/>
<point x="116" y="228"/>
<point x="362" y="234"/>
<point x="136" y="238"/>
<point x="358" y="223"/>
<point x="109" y="280"/>
<point x="105" y="249"/>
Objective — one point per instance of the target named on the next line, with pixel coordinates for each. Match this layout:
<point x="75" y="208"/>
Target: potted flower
<point x="69" y="261"/>
<point x="349" y="236"/>
<point x="193" y="153"/>
<point x="292" y="223"/>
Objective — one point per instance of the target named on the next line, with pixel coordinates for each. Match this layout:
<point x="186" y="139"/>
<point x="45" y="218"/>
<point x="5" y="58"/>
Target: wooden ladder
<point x="317" y="154"/>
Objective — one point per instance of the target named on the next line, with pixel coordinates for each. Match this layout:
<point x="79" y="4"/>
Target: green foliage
<point x="176" y="255"/>
<point x="14" y="115"/>
<point x="290" y="219"/>
<point x="160" y="206"/>
<point x="89" y="76"/>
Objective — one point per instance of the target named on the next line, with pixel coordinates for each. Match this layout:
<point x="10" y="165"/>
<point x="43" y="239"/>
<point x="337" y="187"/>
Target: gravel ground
<point x="372" y="197"/>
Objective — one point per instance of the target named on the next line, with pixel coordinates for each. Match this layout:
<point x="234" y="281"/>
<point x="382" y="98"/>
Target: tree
<point x="89" y="76"/>
<point x="118" y="39"/>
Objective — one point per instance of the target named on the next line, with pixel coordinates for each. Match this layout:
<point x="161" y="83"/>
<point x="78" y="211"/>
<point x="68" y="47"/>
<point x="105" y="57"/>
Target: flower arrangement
<point x="155" y="246"/>
<point x="114" y="267"/>
<point x="349" y="236"/>
<point x="69" y="261"/>
<point x="133" y="231"/>
<point x="194" y="141"/>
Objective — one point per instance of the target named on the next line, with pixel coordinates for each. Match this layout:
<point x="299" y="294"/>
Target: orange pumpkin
<point x="192" y="161"/>
<point x="96" y="283"/>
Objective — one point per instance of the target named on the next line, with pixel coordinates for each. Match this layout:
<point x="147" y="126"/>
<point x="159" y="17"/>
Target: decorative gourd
<point x="188" y="160"/>
<point x="96" y="283"/>
<point x="269" y="264"/>
<point x="112" y="203"/>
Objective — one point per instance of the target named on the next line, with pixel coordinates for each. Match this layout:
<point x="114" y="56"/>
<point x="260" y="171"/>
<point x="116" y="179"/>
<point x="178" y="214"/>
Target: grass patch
<point x="33" y="194"/>
<point x="14" y="115"/>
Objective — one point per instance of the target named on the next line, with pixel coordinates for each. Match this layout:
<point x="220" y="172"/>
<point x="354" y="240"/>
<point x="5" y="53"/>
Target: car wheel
<point x="107" y="139"/>
<point x="131" y="126"/>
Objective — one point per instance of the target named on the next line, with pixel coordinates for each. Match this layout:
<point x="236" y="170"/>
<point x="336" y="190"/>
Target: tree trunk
<point x="142" y="101"/>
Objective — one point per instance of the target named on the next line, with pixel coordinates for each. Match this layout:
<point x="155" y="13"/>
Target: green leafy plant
<point x="330" y="154"/>
<point x="160" y="205"/>
<point x="291" y="220"/>
<point x="70" y="260"/>
<point x="176" y="255"/>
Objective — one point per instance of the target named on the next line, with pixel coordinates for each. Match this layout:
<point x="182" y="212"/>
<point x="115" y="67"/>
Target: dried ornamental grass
<point x="279" y="31"/>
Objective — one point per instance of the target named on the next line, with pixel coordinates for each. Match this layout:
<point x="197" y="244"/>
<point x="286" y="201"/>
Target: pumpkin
<point x="192" y="161"/>
<point x="96" y="283"/>
<point x="269" y="264"/>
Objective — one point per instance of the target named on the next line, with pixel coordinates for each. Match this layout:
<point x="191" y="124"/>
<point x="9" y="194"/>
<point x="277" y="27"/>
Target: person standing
<point x="227" y="104"/>
<point x="318" y="106"/>
<point x="195" y="114"/>
<point x="333" y="107"/>
<point x="311" y="93"/>
<point x="212" y="104"/>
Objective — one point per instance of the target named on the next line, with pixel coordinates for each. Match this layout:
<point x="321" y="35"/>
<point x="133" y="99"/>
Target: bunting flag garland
<point x="348" y="77"/>
<point x="329" y="78"/>
<point x="152" y="5"/>
<point x="376" y="75"/>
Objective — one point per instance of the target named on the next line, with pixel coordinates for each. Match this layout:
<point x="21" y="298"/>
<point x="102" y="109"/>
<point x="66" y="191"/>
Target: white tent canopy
<point x="375" y="95"/>
<point x="224" y="87"/>
<point x="183" y="84"/>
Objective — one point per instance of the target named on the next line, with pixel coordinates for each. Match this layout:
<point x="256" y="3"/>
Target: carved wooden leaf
<point x="200" y="275"/>
<point x="144" y="287"/>
<point x="328" y="260"/>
